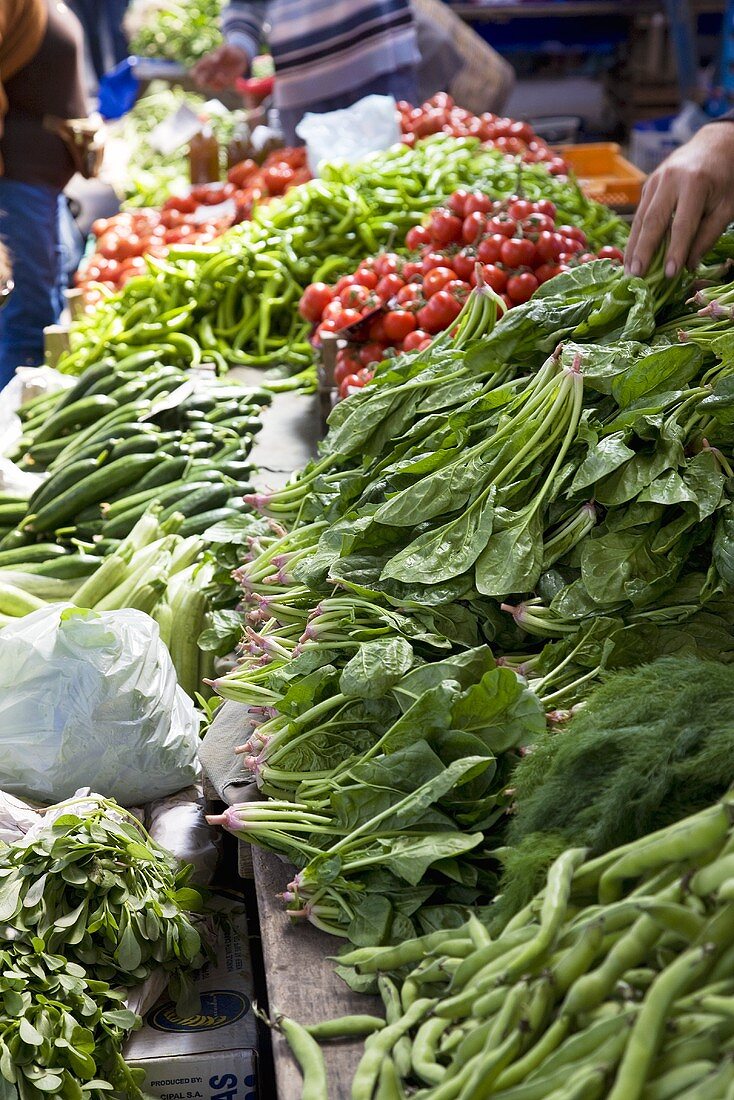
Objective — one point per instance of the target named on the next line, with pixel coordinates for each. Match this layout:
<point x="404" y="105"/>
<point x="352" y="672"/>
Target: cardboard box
<point x="210" y="1056"/>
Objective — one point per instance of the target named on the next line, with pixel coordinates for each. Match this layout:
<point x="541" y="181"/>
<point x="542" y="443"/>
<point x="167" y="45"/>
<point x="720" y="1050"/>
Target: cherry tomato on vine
<point x="457" y="203"/>
<point x="364" y="277"/>
<point x="417" y="237"/>
<point x="314" y="301"/>
<point x="388" y="287"/>
<point x="444" y="227"/>
<point x="398" y="323"/>
<point x="502" y="224"/>
<point x="522" y="287"/>
<point x="464" y="263"/>
<point x="518" y="252"/>
<point x="494" y="277"/>
<point x="436" y="279"/>
<point x="414" y="339"/>
<point x="371" y="353"/>
<point x="355" y="296"/>
<point x="476" y="202"/>
<point x="473" y="227"/>
<point x="609" y="252"/>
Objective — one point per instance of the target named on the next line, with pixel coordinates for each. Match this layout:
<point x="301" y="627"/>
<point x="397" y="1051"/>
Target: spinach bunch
<point x="88" y="906"/>
<point x="384" y="777"/>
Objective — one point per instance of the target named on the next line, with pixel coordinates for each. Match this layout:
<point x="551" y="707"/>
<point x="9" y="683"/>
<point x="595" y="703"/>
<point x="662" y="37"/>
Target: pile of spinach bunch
<point x="556" y="486"/>
<point x="89" y="906"/>
<point x="383" y="778"/>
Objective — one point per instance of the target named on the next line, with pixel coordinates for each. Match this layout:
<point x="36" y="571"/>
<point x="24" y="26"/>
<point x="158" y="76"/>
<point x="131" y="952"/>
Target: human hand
<point x="220" y="69"/>
<point x="695" y="188"/>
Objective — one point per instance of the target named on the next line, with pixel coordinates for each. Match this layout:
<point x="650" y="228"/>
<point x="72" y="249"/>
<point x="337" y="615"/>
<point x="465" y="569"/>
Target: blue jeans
<point x="33" y="225"/>
<point x="402" y="84"/>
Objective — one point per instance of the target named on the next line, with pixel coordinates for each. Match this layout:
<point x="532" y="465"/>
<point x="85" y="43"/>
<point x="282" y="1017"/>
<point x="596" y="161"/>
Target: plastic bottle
<point x="240" y="147"/>
<point x="204" y="156"/>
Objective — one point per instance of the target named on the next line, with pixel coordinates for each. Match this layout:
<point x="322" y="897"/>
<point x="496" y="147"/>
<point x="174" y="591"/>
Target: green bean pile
<point x="235" y="302"/>
<point x="616" y="981"/>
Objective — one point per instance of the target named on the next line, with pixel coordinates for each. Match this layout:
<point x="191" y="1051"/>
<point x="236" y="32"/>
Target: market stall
<point x="368" y="511"/>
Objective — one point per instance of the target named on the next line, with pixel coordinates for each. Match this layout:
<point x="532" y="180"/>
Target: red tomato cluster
<point x="402" y="302"/>
<point x="281" y="170"/>
<point x="441" y="115"/>
<point x="125" y="239"/>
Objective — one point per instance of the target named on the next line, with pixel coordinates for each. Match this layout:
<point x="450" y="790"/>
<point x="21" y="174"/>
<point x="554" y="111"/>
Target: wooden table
<point x="302" y="983"/>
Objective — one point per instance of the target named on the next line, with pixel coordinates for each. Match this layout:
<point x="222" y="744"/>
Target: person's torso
<point x="324" y="47"/>
<point x="50" y="84"/>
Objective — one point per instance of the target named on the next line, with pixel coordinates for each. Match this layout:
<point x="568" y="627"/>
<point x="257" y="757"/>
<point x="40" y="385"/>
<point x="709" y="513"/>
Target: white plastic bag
<point x="27" y="382"/>
<point x="350" y="134"/>
<point x="91" y="699"/>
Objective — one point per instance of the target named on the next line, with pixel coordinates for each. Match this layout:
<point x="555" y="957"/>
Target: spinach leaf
<point x="375" y="668"/>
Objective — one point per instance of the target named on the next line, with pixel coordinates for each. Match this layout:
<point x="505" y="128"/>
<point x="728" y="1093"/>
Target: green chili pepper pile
<point x="615" y="981"/>
<point x="236" y="303"/>
<point x="89" y="905"/>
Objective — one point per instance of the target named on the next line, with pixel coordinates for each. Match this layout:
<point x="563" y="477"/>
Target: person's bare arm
<point x="692" y="195"/>
<point x="220" y="69"/>
<point x="242" y="24"/>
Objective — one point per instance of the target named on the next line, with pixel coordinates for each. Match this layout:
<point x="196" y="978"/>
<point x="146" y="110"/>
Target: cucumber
<point x="39" y="406"/>
<point x="86" y="383"/>
<point x="98" y="446"/>
<point x="168" y="471"/>
<point x="79" y="415"/>
<point x="198" y="524"/>
<point x="222" y="410"/>
<point x="14" y="538"/>
<point x="44" y="453"/>
<point x="123" y="521"/>
<point x="12" y="498"/>
<point x="142" y="443"/>
<point x="12" y="514"/>
<point x="124" y="503"/>
<point x="67" y="567"/>
<point x="95" y="487"/>
<point x="26" y="555"/>
<point x="201" y="500"/>
<point x="58" y="483"/>
<point x="127" y="414"/>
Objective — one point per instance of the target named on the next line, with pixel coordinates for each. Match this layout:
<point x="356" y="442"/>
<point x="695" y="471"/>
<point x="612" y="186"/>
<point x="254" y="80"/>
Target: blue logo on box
<point x="219" y="1008"/>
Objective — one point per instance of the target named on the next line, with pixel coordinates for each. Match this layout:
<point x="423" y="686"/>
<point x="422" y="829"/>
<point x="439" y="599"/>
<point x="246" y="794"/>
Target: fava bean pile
<point x="615" y="981"/>
<point x="235" y="301"/>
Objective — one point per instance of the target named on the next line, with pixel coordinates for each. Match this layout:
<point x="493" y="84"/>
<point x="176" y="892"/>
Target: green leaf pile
<point x="89" y="907"/>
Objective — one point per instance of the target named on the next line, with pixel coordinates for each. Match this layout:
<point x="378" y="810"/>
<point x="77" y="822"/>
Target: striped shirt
<point x="324" y="48"/>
